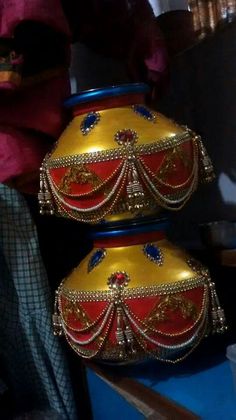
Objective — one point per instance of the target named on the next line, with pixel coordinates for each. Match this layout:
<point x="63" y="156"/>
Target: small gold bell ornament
<point x="117" y="166"/>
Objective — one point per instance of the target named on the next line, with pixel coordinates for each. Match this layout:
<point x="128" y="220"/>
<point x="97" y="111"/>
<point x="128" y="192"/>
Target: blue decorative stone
<point x="153" y="253"/>
<point x="144" y="112"/>
<point x="96" y="258"/>
<point x="89" y="122"/>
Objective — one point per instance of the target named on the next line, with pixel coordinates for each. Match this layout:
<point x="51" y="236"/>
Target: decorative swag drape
<point x="207" y="14"/>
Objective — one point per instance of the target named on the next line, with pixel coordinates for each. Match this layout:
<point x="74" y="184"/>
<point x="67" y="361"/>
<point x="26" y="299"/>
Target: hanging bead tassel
<point x="218" y="316"/>
<point x="207" y="173"/>
<point x="56" y="319"/>
<point x="129" y="335"/>
<point x="124" y="334"/>
<point x="134" y="190"/>
<point x="129" y="338"/>
<point x="120" y="337"/>
<point x="44" y="195"/>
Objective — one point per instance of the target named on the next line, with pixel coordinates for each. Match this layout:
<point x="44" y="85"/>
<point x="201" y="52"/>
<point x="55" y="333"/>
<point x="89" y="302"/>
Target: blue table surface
<point x="203" y="384"/>
<point x="208" y="393"/>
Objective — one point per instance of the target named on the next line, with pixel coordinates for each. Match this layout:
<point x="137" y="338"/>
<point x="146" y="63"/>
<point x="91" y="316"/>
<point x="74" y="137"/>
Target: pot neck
<point x="107" y="103"/>
<point x="128" y="235"/>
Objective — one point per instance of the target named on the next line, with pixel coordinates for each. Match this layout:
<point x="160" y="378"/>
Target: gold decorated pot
<point x="118" y="159"/>
<point x="136" y="295"/>
<point x="116" y="166"/>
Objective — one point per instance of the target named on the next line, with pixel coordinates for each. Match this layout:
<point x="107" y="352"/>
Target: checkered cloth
<point x="31" y="355"/>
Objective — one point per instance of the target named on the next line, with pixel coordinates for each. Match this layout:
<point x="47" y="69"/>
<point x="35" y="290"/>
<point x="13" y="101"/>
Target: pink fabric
<point x="13" y="12"/>
<point x="34" y="109"/>
<point x="20" y="153"/>
<point x="38" y="107"/>
<point x="158" y="59"/>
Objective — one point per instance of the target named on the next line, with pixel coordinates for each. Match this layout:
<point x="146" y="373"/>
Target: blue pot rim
<point x="113" y="230"/>
<point x="105" y="92"/>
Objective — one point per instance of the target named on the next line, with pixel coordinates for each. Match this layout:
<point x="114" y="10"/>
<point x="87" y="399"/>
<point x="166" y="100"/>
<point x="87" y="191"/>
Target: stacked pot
<point x="119" y="166"/>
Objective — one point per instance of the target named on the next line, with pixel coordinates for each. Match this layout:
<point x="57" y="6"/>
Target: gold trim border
<point x="142" y="354"/>
<point x="132" y="293"/>
<point x="118" y="153"/>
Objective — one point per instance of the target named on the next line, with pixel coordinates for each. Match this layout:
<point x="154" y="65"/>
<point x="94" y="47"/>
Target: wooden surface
<point x="148" y="402"/>
<point x="227" y="257"/>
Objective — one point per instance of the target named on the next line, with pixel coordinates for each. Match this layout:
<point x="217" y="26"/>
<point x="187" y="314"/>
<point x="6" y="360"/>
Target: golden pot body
<point x="135" y="295"/>
<point x="128" y="303"/>
<point x="121" y="162"/>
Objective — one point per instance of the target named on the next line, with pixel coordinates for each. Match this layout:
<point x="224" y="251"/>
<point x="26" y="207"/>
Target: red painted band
<point x="107" y="103"/>
<point x="140" y="238"/>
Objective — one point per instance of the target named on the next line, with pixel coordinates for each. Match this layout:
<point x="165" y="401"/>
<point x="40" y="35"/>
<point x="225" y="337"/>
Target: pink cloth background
<point x="13" y="12"/>
<point x="20" y="152"/>
<point x="35" y="108"/>
<point x="158" y="60"/>
<point x="38" y="107"/>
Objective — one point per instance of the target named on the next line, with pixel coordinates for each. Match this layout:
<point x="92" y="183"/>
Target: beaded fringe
<point x="56" y="318"/>
<point x="44" y="195"/>
<point x="135" y="193"/>
<point x="125" y="336"/>
<point x="217" y="312"/>
<point x="206" y="169"/>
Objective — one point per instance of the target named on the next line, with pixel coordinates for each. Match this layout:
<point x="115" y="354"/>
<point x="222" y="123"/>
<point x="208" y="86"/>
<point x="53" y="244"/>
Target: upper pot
<point x="118" y="159"/>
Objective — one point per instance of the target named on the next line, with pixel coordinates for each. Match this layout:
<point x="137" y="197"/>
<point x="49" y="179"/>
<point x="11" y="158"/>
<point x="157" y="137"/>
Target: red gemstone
<point x="126" y="136"/>
<point x="118" y="279"/>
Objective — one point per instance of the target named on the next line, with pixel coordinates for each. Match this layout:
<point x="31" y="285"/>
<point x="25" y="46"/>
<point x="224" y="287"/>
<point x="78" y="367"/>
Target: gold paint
<point x="198" y="267"/>
<point x="172" y="303"/>
<point x="169" y="167"/>
<point x="107" y="207"/>
<point x="133" y="261"/>
<point x="102" y="137"/>
<point x="79" y="174"/>
<point x="73" y="308"/>
<point x="128" y="215"/>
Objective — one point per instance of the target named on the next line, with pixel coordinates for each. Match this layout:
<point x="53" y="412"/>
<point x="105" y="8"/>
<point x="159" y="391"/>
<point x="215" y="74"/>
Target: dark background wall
<point x="201" y="94"/>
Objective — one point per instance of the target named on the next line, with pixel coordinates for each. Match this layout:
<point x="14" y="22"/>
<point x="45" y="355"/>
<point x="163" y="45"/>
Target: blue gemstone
<point x="144" y="112"/>
<point x="89" y="121"/>
<point x="96" y="258"/>
<point x="153" y="253"/>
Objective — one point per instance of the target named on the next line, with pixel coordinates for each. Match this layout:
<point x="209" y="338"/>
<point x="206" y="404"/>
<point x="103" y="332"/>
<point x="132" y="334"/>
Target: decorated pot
<point x="136" y="295"/>
<point x="117" y="166"/>
<point x="118" y="159"/>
